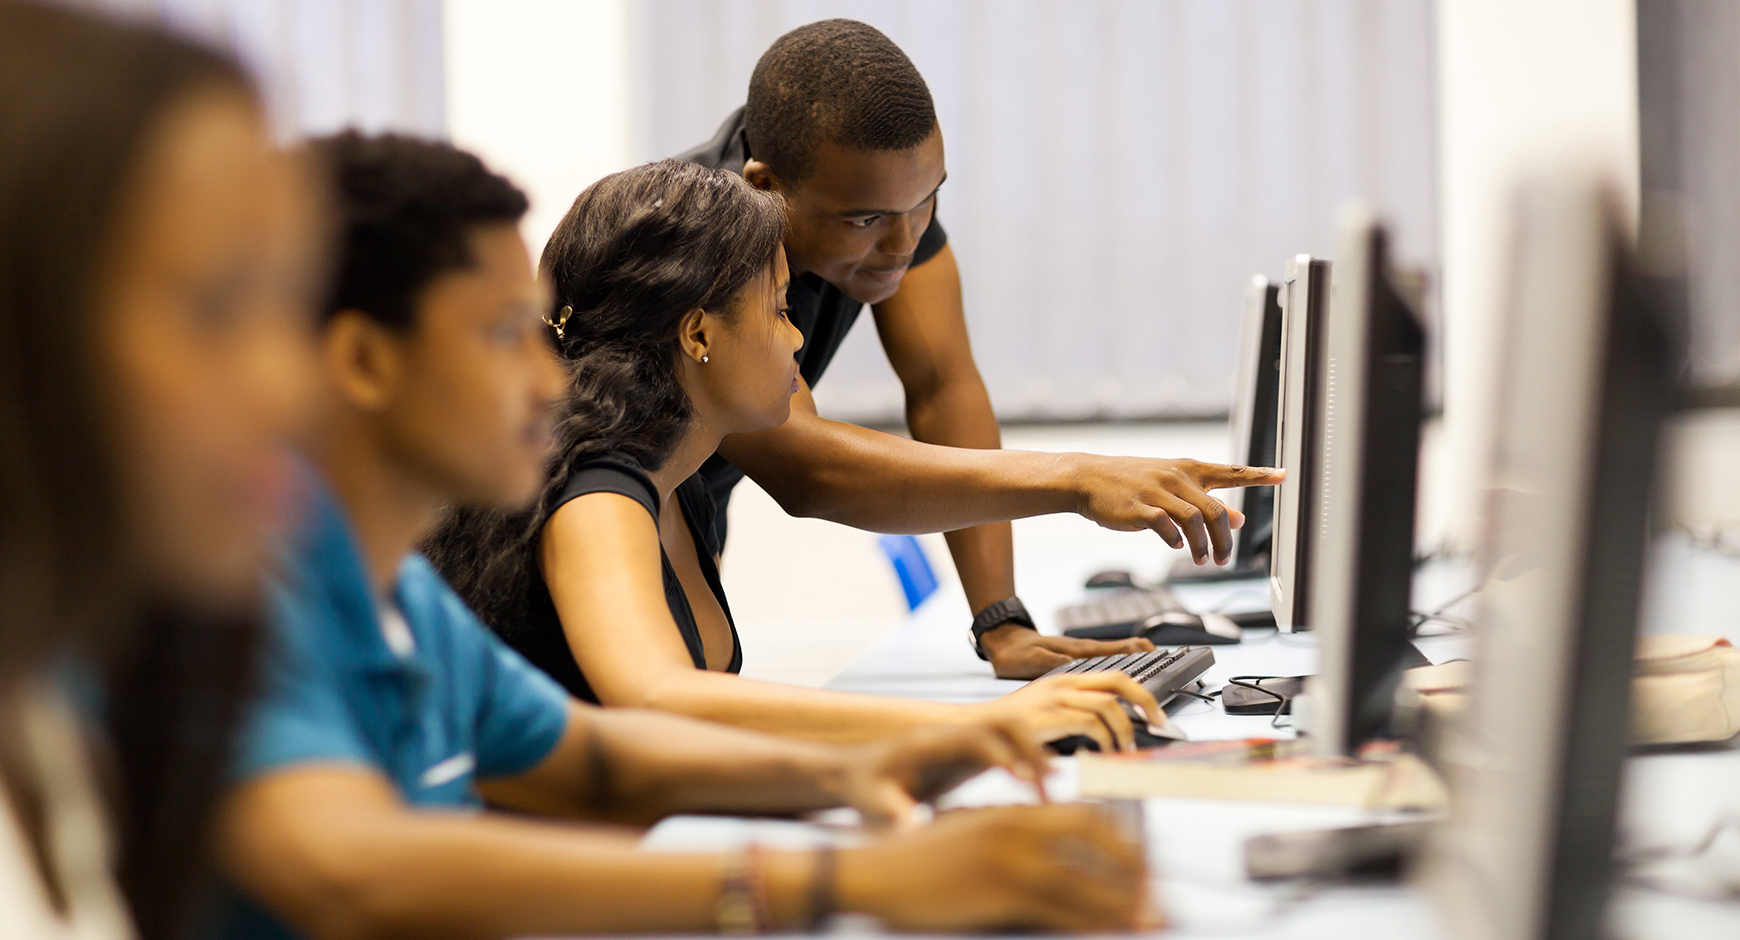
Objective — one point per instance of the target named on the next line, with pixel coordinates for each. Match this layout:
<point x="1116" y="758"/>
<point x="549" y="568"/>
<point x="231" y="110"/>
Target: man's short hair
<point x="839" y="81"/>
<point x="406" y="209"/>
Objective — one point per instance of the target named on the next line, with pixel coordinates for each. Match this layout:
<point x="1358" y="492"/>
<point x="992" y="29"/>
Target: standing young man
<point x="388" y="714"/>
<point x="841" y="124"/>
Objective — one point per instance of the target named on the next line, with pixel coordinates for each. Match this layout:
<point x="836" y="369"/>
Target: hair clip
<point x="560" y="324"/>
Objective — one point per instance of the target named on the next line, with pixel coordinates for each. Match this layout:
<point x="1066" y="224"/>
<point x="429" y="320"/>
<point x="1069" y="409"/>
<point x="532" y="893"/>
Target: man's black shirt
<point x="821" y="311"/>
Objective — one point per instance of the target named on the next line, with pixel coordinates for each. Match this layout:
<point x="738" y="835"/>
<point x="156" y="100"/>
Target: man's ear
<point x="695" y="335"/>
<point x="364" y="359"/>
<point x="761" y="176"/>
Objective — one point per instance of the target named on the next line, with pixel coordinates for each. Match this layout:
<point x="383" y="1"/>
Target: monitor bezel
<point x="1305" y="279"/>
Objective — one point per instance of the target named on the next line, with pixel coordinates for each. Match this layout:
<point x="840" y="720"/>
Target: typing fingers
<point x="1109" y="712"/>
<point x="1120" y="685"/>
<point x="1092" y="877"/>
<point x="1027" y="758"/>
<point x="1087" y="724"/>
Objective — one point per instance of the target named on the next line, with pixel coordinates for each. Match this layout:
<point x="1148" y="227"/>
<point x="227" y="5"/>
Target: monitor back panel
<point x="1304" y="300"/>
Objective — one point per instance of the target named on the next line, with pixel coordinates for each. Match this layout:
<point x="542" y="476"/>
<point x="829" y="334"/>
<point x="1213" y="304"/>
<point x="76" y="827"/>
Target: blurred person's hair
<point x="79" y="100"/>
<point x="407" y="208"/>
<point x="635" y="254"/>
<point x="839" y="81"/>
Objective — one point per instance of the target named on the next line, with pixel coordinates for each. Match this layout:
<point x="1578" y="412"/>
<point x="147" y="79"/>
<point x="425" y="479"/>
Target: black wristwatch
<point x="1007" y="610"/>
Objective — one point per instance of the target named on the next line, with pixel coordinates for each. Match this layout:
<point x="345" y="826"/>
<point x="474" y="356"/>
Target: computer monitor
<point x="1304" y="298"/>
<point x="1253" y="421"/>
<point x="1253" y="438"/>
<point x="1361" y="564"/>
<point x="1585" y="379"/>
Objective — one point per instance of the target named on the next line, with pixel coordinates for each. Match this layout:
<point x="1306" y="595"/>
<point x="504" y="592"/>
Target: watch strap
<point x="1008" y="610"/>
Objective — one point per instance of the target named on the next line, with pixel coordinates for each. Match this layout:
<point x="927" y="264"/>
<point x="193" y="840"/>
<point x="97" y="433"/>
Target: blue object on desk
<point x="907" y="557"/>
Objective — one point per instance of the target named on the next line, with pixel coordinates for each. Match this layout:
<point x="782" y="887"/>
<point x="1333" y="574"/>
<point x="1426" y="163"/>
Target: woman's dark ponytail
<point x="636" y="252"/>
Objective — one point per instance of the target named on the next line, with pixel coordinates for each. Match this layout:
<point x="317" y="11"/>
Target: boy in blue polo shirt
<point x="388" y="715"/>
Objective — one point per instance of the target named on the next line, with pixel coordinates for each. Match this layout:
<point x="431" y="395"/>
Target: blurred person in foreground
<point x="670" y="291"/>
<point x="155" y="357"/>
<point x="389" y="715"/>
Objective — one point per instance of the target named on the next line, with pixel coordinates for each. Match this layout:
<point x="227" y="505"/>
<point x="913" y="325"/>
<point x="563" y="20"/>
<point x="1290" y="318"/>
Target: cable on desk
<point x="1438" y="615"/>
<point x="1282" y="700"/>
<point x="1208" y="698"/>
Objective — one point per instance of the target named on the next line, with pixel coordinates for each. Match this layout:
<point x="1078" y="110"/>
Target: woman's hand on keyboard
<point x="1063" y="867"/>
<point x="1017" y="651"/>
<point x="1129" y="494"/>
<point x="1087" y="704"/>
<point x="921" y="765"/>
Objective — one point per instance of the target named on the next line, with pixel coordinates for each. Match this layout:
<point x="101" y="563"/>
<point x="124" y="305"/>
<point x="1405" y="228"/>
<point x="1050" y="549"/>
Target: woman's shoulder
<point x="610" y="473"/>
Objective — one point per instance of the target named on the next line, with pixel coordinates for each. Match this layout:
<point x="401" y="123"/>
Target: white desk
<point x="1196" y="845"/>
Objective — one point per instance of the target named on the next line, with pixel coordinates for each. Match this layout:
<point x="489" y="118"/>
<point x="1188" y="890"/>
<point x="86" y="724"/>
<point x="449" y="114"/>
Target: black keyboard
<point x="1161" y="672"/>
<point x="1151" y="612"/>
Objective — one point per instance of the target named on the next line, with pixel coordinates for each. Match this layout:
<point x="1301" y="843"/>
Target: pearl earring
<point x="703" y="360"/>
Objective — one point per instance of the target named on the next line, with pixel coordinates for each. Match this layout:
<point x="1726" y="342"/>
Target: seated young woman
<point x="669" y="283"/>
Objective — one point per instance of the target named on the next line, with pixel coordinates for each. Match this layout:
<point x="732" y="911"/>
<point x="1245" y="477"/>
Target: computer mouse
<point x="1145" y="739"/>
<point x="1145" y="734"/>
<point x="1180" y="628"/>
<point x="1111" y="579"/>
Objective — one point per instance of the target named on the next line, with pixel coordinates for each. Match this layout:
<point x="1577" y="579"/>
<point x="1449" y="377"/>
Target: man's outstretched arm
<point x="885" y="483"/>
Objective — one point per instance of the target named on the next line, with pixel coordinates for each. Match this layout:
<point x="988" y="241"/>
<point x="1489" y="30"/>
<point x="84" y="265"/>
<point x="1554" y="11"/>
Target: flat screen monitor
<point x="1253" y="438"/>
<point x="1304" y="299"/>
<point x="1361" y="570"/>
<point x="1253" y="419"/>
<point x="1585" y="379"/>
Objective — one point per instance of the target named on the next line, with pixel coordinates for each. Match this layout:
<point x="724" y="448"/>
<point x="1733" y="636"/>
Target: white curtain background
<point x="323" y="65"/>
<point x="1118" y="169"/>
